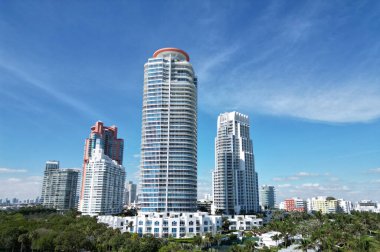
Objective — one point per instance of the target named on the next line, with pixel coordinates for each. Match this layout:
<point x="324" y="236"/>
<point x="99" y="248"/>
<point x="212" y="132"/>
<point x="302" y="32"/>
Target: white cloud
<point x="375" y="170"/>
<point x="353" y="191"/>
<point x="306" y="174"/>
<point x="21" y="187"/>
<point x="284" y="185"/>
<point x="270" y="78"/>
<point x="10" y="170"/>
<point x="298" y="176"/>
<point x="310" y="185"/>
<point x="14" y="180"/>
<point x="337" y="104"/>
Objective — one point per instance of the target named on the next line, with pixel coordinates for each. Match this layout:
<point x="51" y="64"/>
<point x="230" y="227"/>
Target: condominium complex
<point x="235" y="187"/>
<point x="179" y="225"/>
<point x="59" y="187"/>
<point x="322" y="204"/>
<point x="103" y="184"/>
<point x="112" y="147"/>
<point x="169" y="134"/>
<point x="267" y="197"/>
<point x="130" y="193"/>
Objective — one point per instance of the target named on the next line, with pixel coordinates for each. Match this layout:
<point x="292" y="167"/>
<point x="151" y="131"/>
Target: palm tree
<point x="305" y="244"/>
<point x="250" y="245"/>
<point x="276" y="238"/>
<point x="218" y="238"/>
<point x="23" y="239"/>
<point x="197" y="240"/>
<point x="208" y="239"/>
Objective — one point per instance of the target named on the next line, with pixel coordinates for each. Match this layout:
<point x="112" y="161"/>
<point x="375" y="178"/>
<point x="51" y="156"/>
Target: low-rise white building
<point x="367" y="206"/>
<point x="178" y="225"/>
<point x="244" y="222"/>
<point x="268" y="239"/>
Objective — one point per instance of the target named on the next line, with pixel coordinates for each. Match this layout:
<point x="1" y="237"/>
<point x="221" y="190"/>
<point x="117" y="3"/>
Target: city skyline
<point x="306" y="73"/>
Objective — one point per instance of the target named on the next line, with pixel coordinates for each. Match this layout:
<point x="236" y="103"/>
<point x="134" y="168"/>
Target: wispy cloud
<point x="10" y="170"/>
<point x="297" y="176"/>
<point x="70" y="101"/>
<point x="209" y="63"/>
<point x="283" y="77"/>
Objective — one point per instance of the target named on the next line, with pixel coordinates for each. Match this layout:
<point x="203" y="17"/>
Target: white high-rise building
<point x="169" y="134"/>
<point x="59" y="187"/>
<point x="130" y="193"/>
<point x="235" y="187"/>
<point x="103" y="185"/>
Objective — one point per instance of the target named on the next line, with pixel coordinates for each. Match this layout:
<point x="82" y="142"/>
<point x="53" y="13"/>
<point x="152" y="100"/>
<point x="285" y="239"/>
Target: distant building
<point x="59" y="187"/>
<point x="179" y="225"/>
<point x="367" y="206"/>
<point x="345" y="206"/>
<point x="235" y="188"/>
<point x="103" y="184"/>
<point x="208" y="197"/>
<point x="113" y="147"/>
<point x="267" y="197"/>
<point x="130" y="193"/>
<point x="322" y="204"/>
<point x="204" y="205"/>
<point x="295" y="205"/>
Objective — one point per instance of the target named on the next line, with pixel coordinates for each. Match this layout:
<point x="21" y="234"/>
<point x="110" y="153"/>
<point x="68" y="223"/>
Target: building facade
<point x="345" y="206"/>
<point x="103" y="184"/>
<point x="267" y="197"/>
<point x="59" y="187"/>
<point x="322" y="204"/>
<point x="235" y="187"/>
<point x="112" y="146"/>
<point x="295" y="205"/>
<point x="179" y="225"/>
<point x="130" y="193"/>
<point x="169" y="134"/>
<point x="367" y="206"/>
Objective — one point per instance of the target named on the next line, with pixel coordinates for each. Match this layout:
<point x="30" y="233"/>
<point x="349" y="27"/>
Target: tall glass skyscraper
<point x="235" y="187"/>
<point x="169" y="134"/>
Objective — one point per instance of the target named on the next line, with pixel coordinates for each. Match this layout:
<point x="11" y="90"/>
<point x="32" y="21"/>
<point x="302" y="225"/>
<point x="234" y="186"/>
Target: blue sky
<point x="306" y="73"/>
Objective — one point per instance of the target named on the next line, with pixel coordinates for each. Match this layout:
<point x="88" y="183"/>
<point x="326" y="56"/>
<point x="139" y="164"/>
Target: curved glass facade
<point x="169" y="134"/>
